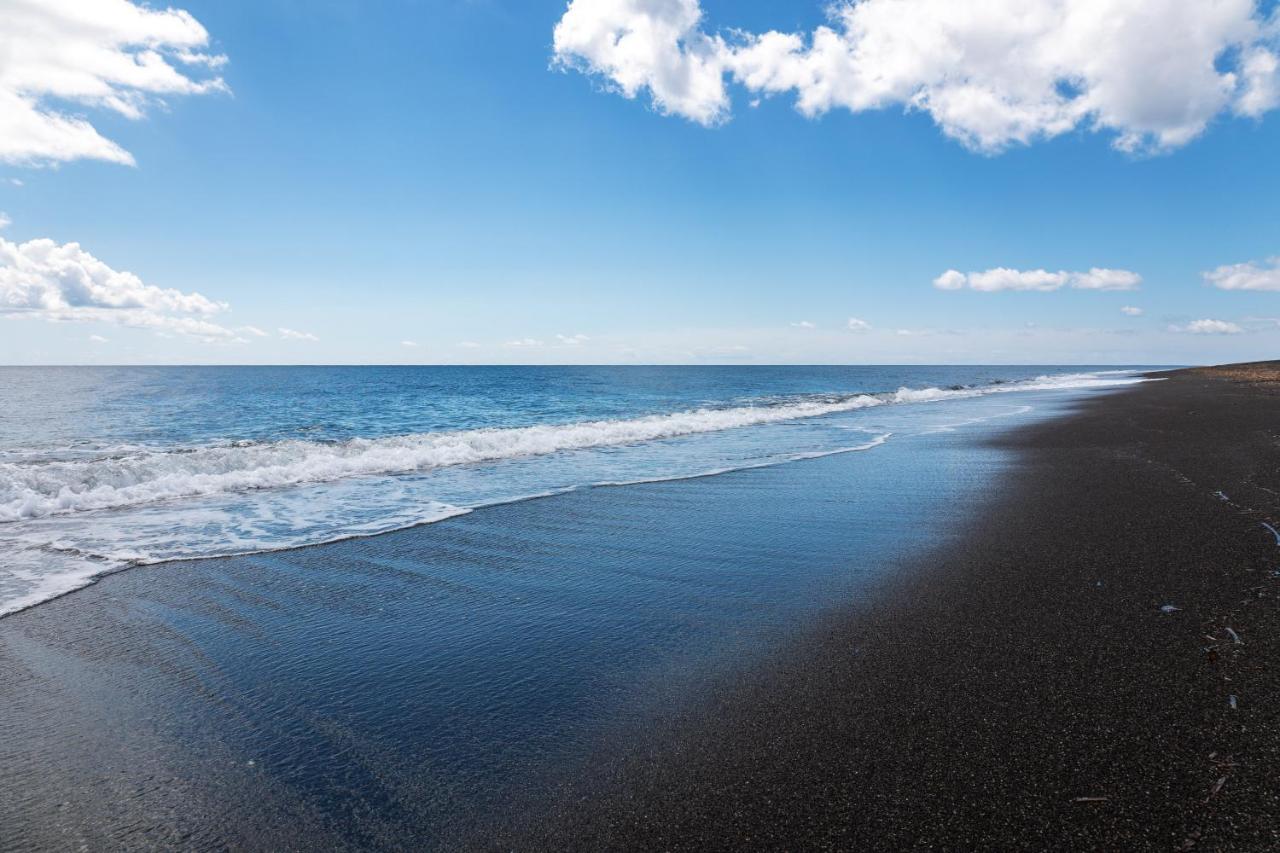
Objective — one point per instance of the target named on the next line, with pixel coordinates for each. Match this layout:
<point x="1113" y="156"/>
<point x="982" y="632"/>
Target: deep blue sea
<point x="103" y="468"/>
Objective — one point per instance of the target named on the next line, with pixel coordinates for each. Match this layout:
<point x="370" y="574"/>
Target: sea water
<point x="105" y="468"/>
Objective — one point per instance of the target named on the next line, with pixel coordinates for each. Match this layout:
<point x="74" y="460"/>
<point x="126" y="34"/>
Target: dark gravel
<point x="1022" y="689"/>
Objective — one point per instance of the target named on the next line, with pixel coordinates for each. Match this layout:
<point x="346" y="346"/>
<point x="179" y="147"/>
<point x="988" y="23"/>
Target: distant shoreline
<point x="1088" y="668"/>
<point x="735" y="365"/>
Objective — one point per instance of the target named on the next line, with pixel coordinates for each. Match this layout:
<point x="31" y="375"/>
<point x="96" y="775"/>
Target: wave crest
<point x="30" y="490"/>
<point x="53" y="488"/>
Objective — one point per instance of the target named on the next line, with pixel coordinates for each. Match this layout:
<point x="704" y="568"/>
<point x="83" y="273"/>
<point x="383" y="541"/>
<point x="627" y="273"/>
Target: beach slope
<point x="1093" y="667"/>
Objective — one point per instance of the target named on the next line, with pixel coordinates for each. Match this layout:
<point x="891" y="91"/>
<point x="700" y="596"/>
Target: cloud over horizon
<point x="1246" y="276"/>
<point x="107" y="55"/>
<point x="1004" y="278"/>
<point x="1152" y="73"/>
<point x="1208" y="327"/>
<point x="64" y="283"/>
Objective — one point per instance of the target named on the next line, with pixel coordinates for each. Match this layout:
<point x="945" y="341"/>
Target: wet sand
<point x="1092" y="667"/>
<point x="399" y="691"/>
<point x="1012" y="680"/>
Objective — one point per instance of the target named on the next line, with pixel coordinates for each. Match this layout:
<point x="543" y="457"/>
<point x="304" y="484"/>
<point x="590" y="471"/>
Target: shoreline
<point x="50" y="558"/>
<point x="91" y="580"/>
<point x="400" y="690"/>
<point x="1007" y="681"/>
<point x="1088" y="669"/>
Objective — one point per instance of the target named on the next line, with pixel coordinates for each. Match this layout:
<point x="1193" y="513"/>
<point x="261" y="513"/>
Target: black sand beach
<point x="1087" y="666"/>
<point x="1033" y="688"/>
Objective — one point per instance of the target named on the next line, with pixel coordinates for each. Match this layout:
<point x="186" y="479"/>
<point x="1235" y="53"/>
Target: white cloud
<point x="1208" y="327"/>
<point x="572" y="340"/>
<point x="1152" y="73"/>
<point x="252" y="330"/>
<point x="98" y="339"/>
<point x="1247" y="276"/>
<point x="803" y="324"/>
<point x="106" y="54"/>
<point x="1260" y="75"/>
<point x="524" y="342"/>
<point x="408" y="344"/>
<point x="1104" y="279"/>
<point x="64" y="283"/>
<point x="17" y="182"/>
<point x="1131" y="311"/>
<point x="295" y="335"/>
<point x="951" y="280"/>
<point x="44" y="275"/>
<point x="5" y="221"/>
<point x="1004" y="278"/>
<point x="652" y="45"/>
<point x="856" y="325"/>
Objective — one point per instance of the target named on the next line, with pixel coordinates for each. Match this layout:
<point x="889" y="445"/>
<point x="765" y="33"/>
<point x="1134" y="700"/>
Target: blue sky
<point x="419" y="172"/>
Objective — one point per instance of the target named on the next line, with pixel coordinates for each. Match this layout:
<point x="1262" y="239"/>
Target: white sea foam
<point x="67" y="518"/>
<point x="56" y="487"/>
<point x="61" y="487"/>
<point x="792" y="457"/>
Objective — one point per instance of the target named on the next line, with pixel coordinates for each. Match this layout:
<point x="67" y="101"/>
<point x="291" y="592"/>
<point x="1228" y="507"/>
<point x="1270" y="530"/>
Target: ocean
<point x="106" y="468"/>
<point x="389" y="608"/>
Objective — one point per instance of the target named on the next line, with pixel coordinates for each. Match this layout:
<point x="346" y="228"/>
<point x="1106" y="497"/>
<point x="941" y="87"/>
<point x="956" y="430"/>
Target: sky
<point x="639" y="181"/>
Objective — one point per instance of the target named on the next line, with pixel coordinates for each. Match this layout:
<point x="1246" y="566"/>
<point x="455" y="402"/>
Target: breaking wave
<point x="70" y="514"/>
<point x="38" y="490"/>
<point x="32" y="490"/>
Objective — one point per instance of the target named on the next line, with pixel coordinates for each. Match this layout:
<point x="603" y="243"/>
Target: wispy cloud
<point x="1105" y="279"/>
<point x="572" y="340"/>
<point x="1004" y="278"/>
<point x="525" y="342"/>
<point x="1152" y="73"/>
<point x="112" y="55"/>
<point x="1246" y="276"/>
<point x="1131" y="311"/>
<point x="410" y="344"/>
<point x="295" y="335"/>
<point x="1208" y="327"/>
<point x="856" y="325"/>
<point x="98" y="339"/>
<point x="803" y="324"/>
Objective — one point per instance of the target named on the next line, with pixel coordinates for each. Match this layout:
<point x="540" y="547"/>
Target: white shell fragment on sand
<point x="1274" y="532"/>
